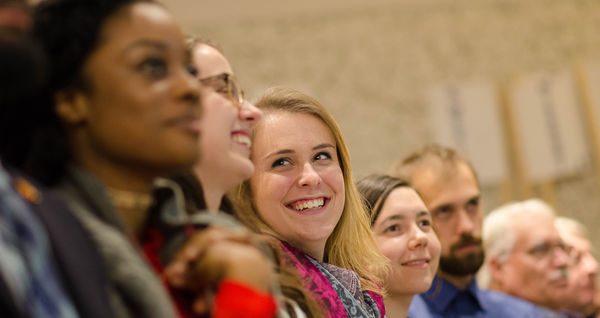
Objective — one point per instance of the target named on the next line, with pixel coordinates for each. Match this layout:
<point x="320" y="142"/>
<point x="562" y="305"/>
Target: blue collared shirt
<point x="445" y="300"/>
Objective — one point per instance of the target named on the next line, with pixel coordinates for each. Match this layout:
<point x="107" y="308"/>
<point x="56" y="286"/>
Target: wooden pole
<point x="515" y="153"/>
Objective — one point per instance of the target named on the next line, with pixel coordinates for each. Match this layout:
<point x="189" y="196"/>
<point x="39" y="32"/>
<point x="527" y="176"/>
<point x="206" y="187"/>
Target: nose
<point x="187" y="88"/>
<point x="418" y="239"/>
<point x="465" y="223"/>
<point x="309" y="177"/>
<point x="560" y="258"/>
<point x="250" y="113"/>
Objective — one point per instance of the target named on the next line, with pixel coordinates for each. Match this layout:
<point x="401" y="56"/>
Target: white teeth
<point x="416" y="263"/>
<point x="309" y="204"/>
<point x="242" y="139"/>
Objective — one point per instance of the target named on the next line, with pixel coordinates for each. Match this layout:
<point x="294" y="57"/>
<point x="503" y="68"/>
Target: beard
<point x="466" y="264"/>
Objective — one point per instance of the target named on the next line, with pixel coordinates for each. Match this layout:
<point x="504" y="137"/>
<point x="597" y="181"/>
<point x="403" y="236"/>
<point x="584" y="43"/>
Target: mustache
<point x="465" y="240"/>
<point x="558" y="273"/>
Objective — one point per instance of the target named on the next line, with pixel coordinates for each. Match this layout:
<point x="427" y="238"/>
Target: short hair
<point x="69" y="31"/>
<point x="571" y="226"/>
<point x="351" y="244"/>
<point x="193" y="40"/>
<point x="499" y="235"/>
<point x="375" y="189"/>
<point x="432" y="156"/>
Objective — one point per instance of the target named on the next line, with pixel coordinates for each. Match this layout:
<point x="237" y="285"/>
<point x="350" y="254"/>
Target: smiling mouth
<point x="312" y="204"/>
<point x="416" y="262"/>
<point x="242" y="139"/>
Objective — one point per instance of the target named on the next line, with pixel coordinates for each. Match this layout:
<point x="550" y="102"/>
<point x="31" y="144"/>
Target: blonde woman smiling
<point x="302" y="195"/>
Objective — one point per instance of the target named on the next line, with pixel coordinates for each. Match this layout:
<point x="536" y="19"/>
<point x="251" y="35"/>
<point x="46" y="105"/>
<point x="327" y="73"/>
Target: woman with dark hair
<point x="121" y="110"/>
<point x="403" y="231"/>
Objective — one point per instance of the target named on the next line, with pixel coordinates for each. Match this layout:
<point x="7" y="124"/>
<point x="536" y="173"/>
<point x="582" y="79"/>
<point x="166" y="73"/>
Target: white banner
<point x="466" y="116"/>
<point x="548" y="125"/>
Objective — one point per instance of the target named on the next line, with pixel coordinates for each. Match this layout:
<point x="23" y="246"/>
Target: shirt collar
<point x="441" y="293"/>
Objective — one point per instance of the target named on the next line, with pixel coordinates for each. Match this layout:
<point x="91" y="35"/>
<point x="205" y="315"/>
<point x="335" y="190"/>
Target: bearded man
<point x="449" y="187"/>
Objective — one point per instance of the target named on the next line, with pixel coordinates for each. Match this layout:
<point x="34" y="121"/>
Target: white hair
<point x="571" y="226"/>
<point x="499" y="235"/>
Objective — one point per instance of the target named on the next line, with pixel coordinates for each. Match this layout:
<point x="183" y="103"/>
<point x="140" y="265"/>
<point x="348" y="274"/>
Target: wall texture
<point x="372" y="62"/>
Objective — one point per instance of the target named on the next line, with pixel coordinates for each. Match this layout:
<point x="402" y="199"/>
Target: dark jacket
<point x="77" y="259"/>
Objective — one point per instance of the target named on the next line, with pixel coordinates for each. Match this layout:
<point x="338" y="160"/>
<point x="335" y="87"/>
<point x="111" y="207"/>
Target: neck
<point x="396" y="305"/>
<point x="317" y="251"/>
<point x="213" y="192"/>
<point x="460" y="282"/>
<point x="213" y="197"/>
<point x="129" y="182"/>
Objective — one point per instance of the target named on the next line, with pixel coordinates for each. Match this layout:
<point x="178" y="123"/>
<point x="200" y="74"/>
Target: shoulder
<point x="419" y="308"/>
<point x="507" y="304"/>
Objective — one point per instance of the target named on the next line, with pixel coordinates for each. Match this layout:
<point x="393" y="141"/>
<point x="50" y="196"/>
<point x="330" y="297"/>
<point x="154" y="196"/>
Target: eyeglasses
<point x="546" y="249"/>
<point x="227" y="85"/>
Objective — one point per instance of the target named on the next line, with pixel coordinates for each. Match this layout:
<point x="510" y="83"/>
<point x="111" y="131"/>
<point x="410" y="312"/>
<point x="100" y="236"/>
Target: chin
<point x="246" y="170"/>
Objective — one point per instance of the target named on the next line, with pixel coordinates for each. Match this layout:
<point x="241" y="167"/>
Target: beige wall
<point x="372" y="62"/>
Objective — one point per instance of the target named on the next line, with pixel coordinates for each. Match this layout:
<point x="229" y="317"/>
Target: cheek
<point x="445" y="240"/>
<point x="268" y="190"/>
<point x="434" y="246"/>
<point x="334" y="178"/>
<point x="392" y="248"/>
<point x="527" y="268"/>
<point x="217" y="113"/>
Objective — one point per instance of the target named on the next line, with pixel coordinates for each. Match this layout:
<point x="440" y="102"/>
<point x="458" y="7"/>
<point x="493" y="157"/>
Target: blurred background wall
<point x="373" y="65"/>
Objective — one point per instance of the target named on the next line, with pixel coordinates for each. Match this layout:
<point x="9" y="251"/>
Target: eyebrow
<point x="288" y="151"/>
<point x="423" y="213"/>
<point x="396" y="217"/>
<point x="146" y="43"/>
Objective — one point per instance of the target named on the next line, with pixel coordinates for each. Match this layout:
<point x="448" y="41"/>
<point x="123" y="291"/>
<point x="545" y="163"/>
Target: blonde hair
<point x="351" y="244"/>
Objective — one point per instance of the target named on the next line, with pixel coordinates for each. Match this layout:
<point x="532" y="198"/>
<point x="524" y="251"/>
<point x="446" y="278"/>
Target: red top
<point x="233" y="299"/>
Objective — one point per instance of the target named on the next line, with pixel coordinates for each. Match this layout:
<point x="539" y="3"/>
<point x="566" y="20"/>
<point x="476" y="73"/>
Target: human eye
<point x="424" y="223"/>
<point x="153" y="67"/>
<point x="191" y="69"/>
<point x="280" y="162"/>
<point x="443" y="212"/>
<point x="473" y="204"/>
<point x="392" y="229"/>
<point x="221" y="87"/>
<point x="322" y="156"/>
<point x="540" y="250"/>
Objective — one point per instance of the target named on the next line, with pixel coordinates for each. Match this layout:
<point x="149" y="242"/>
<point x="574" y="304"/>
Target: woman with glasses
<point x="225" y="144"/>
<point x="404" y="233"/>
<point x="227" y="121"/>
<point x="302" y="197"/>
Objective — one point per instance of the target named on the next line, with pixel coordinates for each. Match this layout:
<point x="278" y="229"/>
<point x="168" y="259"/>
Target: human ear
<point x="71" y="106"/>
<point x="496" y="270"/>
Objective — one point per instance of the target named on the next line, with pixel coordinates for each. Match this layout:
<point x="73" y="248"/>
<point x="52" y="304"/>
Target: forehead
<point x="141" y="21"/>
<point x="534" y="228"/>
<point x="577" y="241"/>
<point x="210" y="61"/>
<point x="447" y="183"/>
<point x="284" y="130"/>
<point x="402" y="201"/>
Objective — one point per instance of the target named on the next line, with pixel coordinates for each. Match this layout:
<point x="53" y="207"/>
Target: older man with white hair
<point x="525" y="255"/>
<point x="583" y="270"/>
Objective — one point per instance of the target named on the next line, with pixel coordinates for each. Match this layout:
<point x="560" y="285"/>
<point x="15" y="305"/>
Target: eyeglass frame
<point x="234" y="92"/>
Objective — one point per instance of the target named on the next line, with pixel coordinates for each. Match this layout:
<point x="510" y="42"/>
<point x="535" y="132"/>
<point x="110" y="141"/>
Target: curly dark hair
<point x="68" y="31"/>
